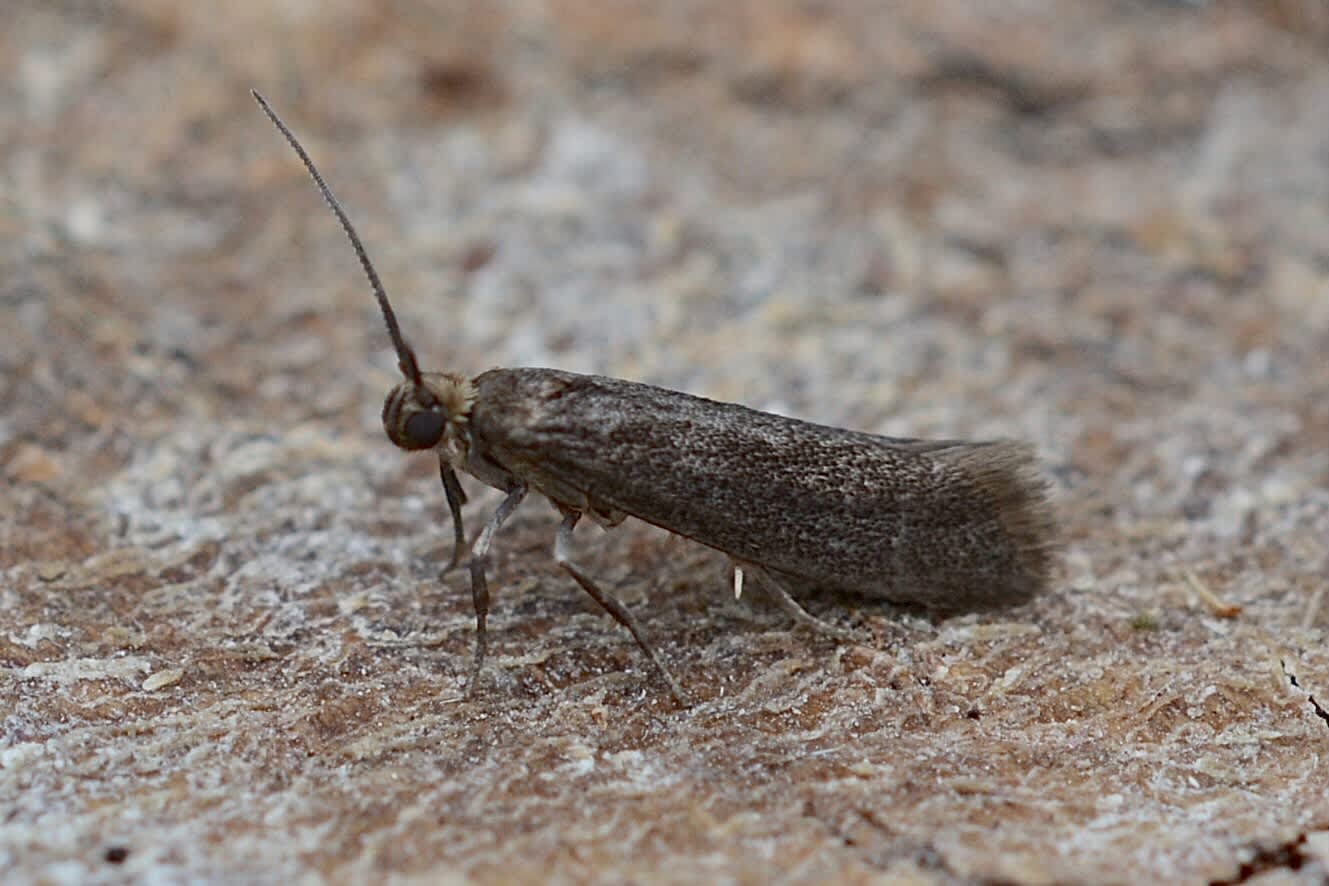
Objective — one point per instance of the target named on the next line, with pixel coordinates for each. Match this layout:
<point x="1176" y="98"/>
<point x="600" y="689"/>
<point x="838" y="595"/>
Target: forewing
<point x="868" y="513"/>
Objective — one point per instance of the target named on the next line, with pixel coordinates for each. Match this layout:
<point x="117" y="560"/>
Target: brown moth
<point x="947" y="524"/>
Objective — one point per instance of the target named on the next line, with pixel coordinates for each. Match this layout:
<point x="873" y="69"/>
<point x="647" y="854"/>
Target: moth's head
<point x="430" y="413"/>
<point x="429" y="410"/>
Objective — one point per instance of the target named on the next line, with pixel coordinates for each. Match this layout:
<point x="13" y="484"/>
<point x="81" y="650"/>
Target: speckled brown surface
<point x="225" y="653"/>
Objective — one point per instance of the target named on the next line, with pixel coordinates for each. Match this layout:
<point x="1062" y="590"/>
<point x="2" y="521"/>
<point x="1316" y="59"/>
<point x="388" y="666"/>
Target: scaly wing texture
<point x="947" y="524"/>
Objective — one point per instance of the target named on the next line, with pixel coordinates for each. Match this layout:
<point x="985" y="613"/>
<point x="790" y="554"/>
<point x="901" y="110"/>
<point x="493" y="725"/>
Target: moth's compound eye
<point x="424" y="429"/>
<point x="414" y="419"/>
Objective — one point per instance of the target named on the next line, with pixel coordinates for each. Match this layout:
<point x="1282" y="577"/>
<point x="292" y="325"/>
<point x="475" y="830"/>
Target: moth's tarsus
<point x="947" y="524"/>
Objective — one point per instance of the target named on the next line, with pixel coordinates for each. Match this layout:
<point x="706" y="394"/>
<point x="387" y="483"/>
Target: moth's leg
<point x="620" y="614"/>
<point x="786" y="601"/>
<point x="456" y="498"/>
<point x="479" y="587"/>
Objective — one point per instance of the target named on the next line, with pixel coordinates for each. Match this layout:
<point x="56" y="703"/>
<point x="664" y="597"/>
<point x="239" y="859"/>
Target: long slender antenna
<point x="405" y="355"/>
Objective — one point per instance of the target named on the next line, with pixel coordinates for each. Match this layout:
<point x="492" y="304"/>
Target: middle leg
<point x="620" y="614"/>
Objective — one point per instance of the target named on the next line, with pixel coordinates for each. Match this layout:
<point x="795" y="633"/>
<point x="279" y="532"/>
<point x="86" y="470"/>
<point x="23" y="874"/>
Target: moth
<point x="801" y="507"/>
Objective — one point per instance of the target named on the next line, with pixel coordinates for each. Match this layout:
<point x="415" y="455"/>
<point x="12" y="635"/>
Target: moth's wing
<point x="943" y="523"/>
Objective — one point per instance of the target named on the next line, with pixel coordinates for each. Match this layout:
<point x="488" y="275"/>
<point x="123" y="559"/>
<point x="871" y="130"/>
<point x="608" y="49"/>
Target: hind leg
<point x="780" y="594"/>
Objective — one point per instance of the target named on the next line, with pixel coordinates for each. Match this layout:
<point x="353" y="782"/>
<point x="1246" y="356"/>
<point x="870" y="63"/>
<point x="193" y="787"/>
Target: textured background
<point x="224" y="648"/>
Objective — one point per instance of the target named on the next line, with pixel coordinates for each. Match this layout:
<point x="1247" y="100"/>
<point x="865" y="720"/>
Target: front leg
<point x="479" y="587"/>
<point x="456" y="498"/>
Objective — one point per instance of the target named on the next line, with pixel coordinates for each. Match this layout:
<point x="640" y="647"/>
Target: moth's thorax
<point x="432" y="415"/>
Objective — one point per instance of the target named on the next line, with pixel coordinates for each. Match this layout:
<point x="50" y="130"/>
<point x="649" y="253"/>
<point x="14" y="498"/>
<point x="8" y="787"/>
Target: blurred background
<point x="863" y="213"/>
<point x="1101" y="227"/>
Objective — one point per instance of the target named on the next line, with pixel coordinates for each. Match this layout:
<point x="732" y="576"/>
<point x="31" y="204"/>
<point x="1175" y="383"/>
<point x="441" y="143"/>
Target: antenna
<point x="405" y="356"/>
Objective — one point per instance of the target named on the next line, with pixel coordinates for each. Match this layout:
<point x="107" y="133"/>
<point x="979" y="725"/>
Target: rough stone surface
<point x="225" y="650"/>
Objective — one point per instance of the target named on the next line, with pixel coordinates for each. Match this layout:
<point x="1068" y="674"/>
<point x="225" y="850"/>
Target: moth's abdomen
<point x="946" y="524"/>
